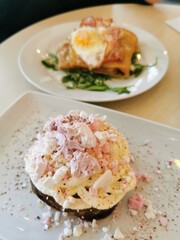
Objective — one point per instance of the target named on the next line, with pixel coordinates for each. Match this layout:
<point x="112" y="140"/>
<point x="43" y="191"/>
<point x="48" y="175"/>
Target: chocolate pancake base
<point x="86" y="214"/>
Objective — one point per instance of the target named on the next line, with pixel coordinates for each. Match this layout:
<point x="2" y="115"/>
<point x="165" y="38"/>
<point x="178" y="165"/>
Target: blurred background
<point x="16" y="15"/>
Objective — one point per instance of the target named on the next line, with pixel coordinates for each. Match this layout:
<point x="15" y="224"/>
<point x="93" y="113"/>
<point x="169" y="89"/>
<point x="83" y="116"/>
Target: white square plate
<point x="152" y="145"/>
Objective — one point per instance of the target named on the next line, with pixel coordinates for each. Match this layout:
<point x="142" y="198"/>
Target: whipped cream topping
<point x="80" y="154"/>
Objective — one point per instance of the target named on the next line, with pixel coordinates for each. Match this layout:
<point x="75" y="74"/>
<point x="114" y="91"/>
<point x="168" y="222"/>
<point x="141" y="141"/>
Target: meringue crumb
<point x="94" y="223"/>
<point x="67" y="223"/>
<point x="159" y="212"/>
<point x="57" y="216"/>
<point x="132" y="158"/>
<point x="105" y="229"/>
<point x="163" y="221"/>
<point x="150" y="211"/>
<point x="47" y="214"/>
<point x="20" y="208"/>
<point x="77" y="231"/>
<point x="133" y="212"/>
<point x="146" y="142"/>
<point x="24" y="185"/>
<point x="134" y="230"/>
<point x="158" y="171"/>
<point x="67" y="232"/>
<point x="64" y="214"/>
<point x="106" y="237"/>
<point x="46" y="226"/>
<point x="86" y="224"/>
<point x="118" y="234"/>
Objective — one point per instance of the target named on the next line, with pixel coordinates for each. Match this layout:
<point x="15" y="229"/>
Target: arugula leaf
<point x="120" y="90"/>
<point x="51" y="61"/>
<point x="134" y="58"/>
<point x="84" y="79"/>
<point x="90" y="80"/>
<point x="138" y="68"/>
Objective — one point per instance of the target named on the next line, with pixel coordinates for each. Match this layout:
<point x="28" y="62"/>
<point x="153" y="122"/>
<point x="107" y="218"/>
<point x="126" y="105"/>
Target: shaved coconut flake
<point x="69" y="202"/>
<point x="99" y="202"/>
<point x="49" y="182"/>
<point x="102" y="181"/>
<point x="60" y="174"/>
<point x="40" y="168"/>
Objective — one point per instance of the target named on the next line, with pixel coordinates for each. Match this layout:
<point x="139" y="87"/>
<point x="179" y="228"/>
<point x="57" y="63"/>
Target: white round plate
<point x="47" y="41"/>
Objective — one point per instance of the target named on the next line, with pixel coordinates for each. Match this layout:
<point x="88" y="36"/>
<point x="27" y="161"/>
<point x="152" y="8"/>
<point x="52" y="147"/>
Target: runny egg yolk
<point x="84" y="38"/>
<point x="89" y="45"/>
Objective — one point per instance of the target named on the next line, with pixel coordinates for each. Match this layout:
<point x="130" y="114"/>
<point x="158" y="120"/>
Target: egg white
<point x="89" y="45"/>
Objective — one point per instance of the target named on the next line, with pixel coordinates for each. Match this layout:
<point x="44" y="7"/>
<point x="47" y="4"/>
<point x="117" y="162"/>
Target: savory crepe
<point x="98" y="45"/>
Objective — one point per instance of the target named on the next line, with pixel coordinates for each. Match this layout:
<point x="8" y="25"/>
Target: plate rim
<point x="42" y="94"/>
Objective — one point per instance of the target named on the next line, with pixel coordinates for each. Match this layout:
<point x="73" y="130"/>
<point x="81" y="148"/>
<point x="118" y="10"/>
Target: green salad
<point x="90" y="80"/>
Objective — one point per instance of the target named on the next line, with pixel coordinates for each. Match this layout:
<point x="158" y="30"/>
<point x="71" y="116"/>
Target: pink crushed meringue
<point x="144" y="177"/>
<point x="83" y="164"/>
<point x="136" y="202"/>
<point x="76" y="136"/>
<point x="163" y="221"/>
